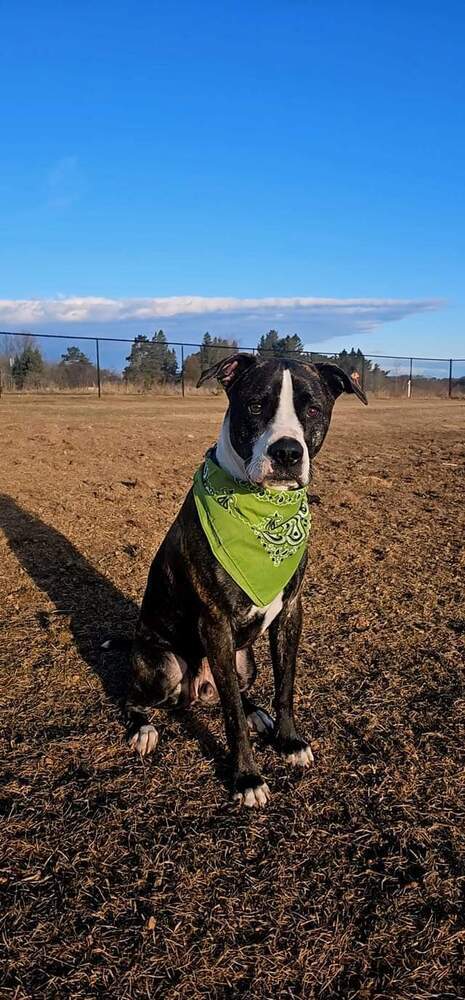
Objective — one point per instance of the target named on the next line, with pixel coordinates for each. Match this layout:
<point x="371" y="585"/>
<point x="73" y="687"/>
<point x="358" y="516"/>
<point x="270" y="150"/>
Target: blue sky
<point x="156" y="157"/>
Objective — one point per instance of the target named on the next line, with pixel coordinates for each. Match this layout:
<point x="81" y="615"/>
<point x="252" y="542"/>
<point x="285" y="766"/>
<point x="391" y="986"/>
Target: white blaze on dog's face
<point x="280" y="455"/>
<point x="278" y="416"/>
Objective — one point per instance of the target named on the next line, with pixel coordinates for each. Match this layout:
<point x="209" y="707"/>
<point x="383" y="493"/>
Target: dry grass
<point x="136" y="880"/>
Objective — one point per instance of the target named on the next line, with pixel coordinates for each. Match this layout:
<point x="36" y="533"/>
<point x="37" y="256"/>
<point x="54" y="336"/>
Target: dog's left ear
<point x="339" y="381"/>
<point x="228" y="370"/>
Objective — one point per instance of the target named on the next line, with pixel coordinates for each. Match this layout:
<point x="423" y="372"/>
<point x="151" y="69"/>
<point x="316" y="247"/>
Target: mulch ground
<point x="137" y="879"/>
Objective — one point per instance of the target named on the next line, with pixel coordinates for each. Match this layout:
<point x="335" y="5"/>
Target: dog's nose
<point x="286" y="452"/>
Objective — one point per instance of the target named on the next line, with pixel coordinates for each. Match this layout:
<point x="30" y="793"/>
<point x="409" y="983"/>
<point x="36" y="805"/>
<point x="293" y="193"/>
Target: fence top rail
<point x="220" y="347"/>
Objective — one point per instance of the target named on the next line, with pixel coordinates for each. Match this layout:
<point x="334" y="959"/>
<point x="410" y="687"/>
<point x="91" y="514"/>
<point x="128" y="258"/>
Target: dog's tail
<point x="117" y="642"/>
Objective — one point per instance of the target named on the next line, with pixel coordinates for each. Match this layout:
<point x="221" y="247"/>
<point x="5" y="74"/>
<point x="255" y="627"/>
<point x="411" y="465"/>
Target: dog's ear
<point x="339" y="381"/>
<point x="228" y="370"/>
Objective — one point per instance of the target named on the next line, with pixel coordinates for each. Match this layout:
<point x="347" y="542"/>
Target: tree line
<point x="22" y="366"/>
<point x="152" y="362"/>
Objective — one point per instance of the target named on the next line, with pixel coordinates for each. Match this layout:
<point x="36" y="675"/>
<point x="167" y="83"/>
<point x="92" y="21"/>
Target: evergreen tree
<point x="138" y="368"/>
<point x="150" y="361"/>
<point x="165" y="358"/>
<point x="268" y="342"/>
<point x="27" y="368"/>
<point x="205" y="357"/>
<point x="272" y="344"/>
<point x="289" y="345"/>
<point x="77" y="369"/>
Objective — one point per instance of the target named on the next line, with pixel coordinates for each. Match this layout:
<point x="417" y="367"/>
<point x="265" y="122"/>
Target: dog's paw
<point x="260" y="722"/>
<point x="251" y="791"/>
<point x="145" y="740"/>
<point x="297" y="753"/>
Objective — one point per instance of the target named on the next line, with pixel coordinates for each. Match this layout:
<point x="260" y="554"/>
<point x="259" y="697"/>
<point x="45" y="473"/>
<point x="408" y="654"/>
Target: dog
<point x="197" y="626"/>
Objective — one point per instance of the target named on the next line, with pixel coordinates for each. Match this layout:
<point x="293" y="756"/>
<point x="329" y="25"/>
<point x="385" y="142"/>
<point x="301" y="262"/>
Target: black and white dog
<point x="195" y="635"/>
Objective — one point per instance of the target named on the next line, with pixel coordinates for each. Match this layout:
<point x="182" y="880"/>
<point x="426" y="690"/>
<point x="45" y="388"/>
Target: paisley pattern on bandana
<point x="281" y="538"/>
<point x="258" y="535"/>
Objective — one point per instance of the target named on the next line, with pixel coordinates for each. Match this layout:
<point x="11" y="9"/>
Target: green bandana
<point x="257" y="535"/>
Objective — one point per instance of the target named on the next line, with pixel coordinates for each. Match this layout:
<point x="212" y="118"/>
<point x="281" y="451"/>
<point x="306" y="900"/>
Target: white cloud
<point x="363" y="314"/>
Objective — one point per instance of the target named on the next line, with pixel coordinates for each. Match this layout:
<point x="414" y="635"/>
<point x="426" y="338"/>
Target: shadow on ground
<point x="94" y="607"/>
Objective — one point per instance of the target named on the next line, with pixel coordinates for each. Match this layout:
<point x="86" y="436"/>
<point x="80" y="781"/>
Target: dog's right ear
<point x="228" y="370"/>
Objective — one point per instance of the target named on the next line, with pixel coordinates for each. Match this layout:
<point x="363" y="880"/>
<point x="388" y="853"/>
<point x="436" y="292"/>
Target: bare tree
<point x="14" y="343"/>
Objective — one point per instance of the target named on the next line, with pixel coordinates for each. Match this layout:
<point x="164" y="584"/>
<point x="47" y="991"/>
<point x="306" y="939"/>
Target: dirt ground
<point x="139" y="879"/>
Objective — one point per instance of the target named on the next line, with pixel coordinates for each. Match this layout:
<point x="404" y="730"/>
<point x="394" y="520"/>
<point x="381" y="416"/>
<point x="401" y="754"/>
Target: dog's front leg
<point x="250" y="789"/>
<point x="284" y="635"/>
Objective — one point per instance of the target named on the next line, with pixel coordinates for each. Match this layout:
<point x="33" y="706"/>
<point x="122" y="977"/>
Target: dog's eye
<point x="255" y="409"/>
<point x="312" y="411"/>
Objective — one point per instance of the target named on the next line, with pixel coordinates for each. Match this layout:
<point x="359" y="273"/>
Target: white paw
<point x="254" y="798"/>
<point x="301" y="758"/>
<point x="145" y="740"/>
<point x="260" y="722"/>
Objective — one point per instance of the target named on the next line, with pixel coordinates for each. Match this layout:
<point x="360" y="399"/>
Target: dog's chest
<point x="263" y="617"/>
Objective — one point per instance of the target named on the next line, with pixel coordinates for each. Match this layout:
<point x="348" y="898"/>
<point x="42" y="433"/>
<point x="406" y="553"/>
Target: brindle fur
<point x="193" y="608"/>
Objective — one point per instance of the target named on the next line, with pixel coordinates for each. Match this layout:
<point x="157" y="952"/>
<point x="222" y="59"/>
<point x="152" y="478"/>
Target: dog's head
<point x="278" y="416"/>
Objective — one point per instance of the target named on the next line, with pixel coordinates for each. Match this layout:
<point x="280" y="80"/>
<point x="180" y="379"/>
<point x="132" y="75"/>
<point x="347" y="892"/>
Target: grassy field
<point x="139" y="879"/>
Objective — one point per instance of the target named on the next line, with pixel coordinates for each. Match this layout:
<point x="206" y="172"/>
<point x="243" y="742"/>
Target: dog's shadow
<point x="94" y="608"/>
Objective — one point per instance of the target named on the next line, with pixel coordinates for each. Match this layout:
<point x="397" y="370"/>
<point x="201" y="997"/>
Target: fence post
<point x="450" y="378"/>
<point x="182" y="370"/>
<point x="98" y="367"/>
<point x="363" y="373"/>
<point x="409" y="386"/>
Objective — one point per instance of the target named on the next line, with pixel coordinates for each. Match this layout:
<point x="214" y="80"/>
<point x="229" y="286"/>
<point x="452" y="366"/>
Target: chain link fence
<point x="96" y="366"/>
